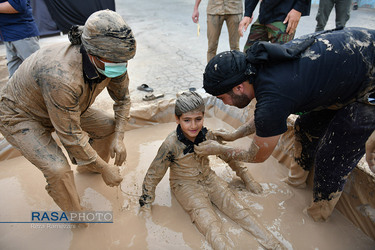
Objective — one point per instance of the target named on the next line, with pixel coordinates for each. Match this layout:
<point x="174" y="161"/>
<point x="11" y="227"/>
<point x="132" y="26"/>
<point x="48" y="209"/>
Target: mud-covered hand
<point x="242" y="27"/>
<point x="210" y="147"/>
<point x="110" y="174"/>
<point x="370" y="152"/>
<point x="224" y="135"/>
<point x="145" y="211"/>
<point x="292" y="19"/>
<point x="118" y="149"/>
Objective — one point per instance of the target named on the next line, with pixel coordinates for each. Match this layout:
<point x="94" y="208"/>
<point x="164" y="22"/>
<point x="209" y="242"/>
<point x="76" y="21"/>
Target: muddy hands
<point x="111" y="176"/>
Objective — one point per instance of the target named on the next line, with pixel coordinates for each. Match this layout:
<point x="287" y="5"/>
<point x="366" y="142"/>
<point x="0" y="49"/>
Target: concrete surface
<point x="170" y="56"/>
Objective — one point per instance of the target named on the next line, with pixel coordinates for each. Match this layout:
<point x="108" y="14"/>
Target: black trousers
<point x="334" y="142"/>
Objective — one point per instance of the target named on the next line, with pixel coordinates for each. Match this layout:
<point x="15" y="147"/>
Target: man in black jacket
<point x="277" y="21"/>
<point x="328" y="79"/>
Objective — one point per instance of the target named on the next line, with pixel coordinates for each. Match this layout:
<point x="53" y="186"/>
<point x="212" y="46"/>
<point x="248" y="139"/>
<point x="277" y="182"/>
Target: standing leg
<point x="233" y="21"/>
<point x="214" y="25"/>
<point x="342" y="8"/>
<point x="258" y="32"/>
<point x="325" y="8"/>
<point x="339" y="152"/>
<point x="18" y="51"/>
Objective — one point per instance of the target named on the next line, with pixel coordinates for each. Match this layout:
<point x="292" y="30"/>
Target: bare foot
<point x="111" y="176"/>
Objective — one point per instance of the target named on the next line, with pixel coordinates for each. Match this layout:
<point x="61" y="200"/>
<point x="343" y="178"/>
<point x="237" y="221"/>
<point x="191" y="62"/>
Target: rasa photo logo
<point x="71" y="217"/>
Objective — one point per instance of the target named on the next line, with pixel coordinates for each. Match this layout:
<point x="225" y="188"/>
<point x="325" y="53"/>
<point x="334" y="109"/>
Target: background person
<point x="342" y="9"/>
<point x="18" y="31"/>
<point x="219" y="11"/>
<point x="277" y="21"/>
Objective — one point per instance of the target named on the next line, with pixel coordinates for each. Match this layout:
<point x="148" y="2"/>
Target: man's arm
<point x="260" y="149"/>
<point x="245" y="129"/>
<point x="294" y="15"/>
<point x="248" y="16"/>
<point x="6" y="8"/>
<point x="195" y="15"/>
<point x="118" y="89"/>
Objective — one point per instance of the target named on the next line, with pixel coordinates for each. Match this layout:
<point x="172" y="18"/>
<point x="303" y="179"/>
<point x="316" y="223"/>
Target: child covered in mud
<point x="195" y="185"/>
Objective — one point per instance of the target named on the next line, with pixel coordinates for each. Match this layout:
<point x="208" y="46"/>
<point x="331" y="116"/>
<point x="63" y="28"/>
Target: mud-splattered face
<point x="191" y="124"/>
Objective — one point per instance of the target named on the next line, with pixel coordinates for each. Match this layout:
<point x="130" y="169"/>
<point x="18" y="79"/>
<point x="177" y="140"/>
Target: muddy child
<point x="195" y="185"/>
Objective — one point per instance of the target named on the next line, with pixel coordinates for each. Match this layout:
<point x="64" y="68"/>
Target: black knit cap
<point x="225" y="71"/>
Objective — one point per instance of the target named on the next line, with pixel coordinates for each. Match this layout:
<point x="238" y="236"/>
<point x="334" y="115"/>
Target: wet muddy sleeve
<point x="62" y="102"/>
<point x="118" y="89"/>
<point x="155" y="173"/>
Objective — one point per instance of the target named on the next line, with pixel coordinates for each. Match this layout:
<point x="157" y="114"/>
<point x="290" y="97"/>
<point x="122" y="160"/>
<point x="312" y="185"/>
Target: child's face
<point x="191" y="124"/>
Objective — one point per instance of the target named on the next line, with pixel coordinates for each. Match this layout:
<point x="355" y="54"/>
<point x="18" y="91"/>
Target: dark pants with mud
<point x="334" y="142"/>
<point x="342" y="9"/>
<point x="37" y="145"/>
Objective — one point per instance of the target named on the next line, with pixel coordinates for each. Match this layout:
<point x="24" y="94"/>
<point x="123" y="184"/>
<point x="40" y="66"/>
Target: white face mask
<point x="112" y="70"/>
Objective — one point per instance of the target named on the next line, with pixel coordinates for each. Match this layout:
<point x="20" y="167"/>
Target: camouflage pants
<point x="273" y="32"/>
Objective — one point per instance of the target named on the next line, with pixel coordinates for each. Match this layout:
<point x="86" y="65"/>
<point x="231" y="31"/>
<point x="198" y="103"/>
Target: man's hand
<point x="224" y="135"/>
<point x="195" y="16"/>
<point x="110" y="174"/>
<point x="209" y="147"/>
<point x="242" y="27"/>
<point x="118" y="149"/>
<point x="292" y="19"/>
<point x="370" y="152"/>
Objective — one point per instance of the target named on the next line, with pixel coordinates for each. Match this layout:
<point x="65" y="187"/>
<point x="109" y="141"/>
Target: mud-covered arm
<point x="245" y="129"/>
<point x="118" y="89"/>
<point x="370" y="152"/>
<point x="260" y="149"/>
<point x="155" y="173"/>
<point x="62" y="103"/>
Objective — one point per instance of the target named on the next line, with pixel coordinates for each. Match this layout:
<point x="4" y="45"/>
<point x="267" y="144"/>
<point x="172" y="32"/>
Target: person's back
<point x="287" y="88"/>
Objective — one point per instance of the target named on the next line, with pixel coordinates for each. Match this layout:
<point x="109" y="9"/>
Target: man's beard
<point x="240" y="101"/>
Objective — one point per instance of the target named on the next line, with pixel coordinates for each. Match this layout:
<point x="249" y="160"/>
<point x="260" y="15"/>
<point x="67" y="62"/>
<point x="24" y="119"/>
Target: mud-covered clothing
<point x="329" y="87"/>
<point x="224" y="7"/>
<point x="49" y="88"/>
<point x="196" y="186"/>
<point x="276" y="10"/>
<point x="340" y="71"/>
<point x="229" y="11"/>
<point x="53" y="91"/>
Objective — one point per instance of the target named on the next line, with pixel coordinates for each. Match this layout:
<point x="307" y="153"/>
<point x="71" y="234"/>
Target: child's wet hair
<point x="189" y="101"/>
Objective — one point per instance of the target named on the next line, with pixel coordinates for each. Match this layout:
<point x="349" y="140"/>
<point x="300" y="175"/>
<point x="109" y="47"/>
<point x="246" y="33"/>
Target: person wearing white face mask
<point x="53" y="90"/>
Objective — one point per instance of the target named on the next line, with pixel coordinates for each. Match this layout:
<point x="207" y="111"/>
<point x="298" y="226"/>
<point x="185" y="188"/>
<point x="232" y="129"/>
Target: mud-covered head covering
<point x="107" y="35"/>
<point x="228" y="69"/>
<point x="188" y="101"/>
<point x="225" y="71"/>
